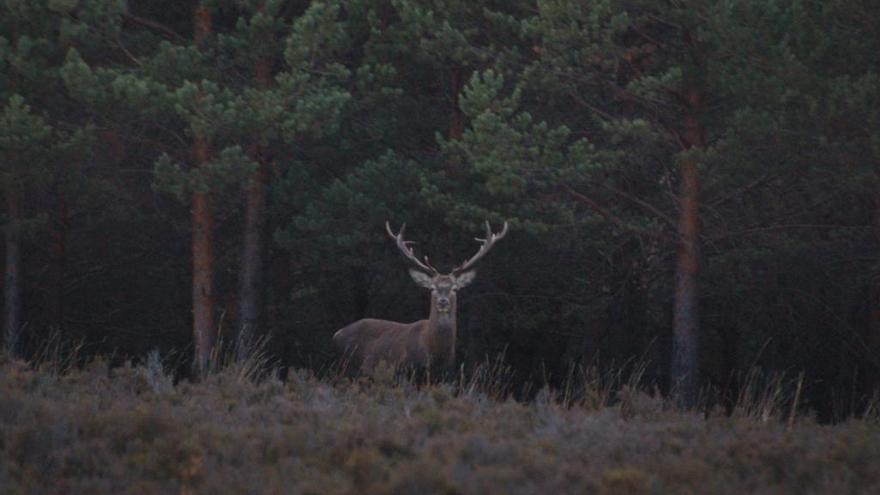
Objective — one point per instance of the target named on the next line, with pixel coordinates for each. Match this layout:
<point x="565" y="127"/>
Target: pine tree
<point x="43" y="143"/>
<point x="23" y="137"/>
<point x="304" y="101"/>
<point x="659" y="95"/>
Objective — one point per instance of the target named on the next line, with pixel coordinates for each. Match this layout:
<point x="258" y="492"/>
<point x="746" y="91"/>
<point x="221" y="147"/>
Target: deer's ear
<point x="421" y="278"/>
<point x="464" y="279"/>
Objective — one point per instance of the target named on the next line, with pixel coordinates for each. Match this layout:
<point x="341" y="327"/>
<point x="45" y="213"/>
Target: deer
<point x="424" y="344"/>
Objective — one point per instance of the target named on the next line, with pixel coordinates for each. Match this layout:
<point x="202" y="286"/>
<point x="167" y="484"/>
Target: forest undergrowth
<point x="96" y="428"/>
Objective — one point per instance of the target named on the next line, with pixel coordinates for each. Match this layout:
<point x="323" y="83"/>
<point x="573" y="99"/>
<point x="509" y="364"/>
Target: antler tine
<point x="408" y="251"/>
<point x="487" y="244"/>
<point x="392" y="234"/>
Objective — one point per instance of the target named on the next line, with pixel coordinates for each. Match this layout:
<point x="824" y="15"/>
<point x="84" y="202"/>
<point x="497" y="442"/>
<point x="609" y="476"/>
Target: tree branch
<point x="608" y="215"/>
<point x="156" y="26"/>
<point x="644" y="204"/>
<point x="773" y="228"/>
<point x="744" y="189"/>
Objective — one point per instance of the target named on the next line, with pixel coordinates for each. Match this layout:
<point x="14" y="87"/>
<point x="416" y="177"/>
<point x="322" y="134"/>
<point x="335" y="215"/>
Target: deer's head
<point x="443" y="287"/>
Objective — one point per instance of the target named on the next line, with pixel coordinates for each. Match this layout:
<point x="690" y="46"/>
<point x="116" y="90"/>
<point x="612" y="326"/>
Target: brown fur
<point x="421" y="344"/>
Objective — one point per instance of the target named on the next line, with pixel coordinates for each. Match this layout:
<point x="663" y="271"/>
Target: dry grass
<point x="131" y="430"/>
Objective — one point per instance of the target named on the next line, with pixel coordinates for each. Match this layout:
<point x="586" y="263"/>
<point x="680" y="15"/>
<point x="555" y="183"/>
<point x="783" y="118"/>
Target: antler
<point x="487" y="244"/>
<point x="407" y="251"/>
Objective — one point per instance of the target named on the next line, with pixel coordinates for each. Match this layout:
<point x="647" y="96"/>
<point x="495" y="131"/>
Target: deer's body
<point x="422" y="344"/>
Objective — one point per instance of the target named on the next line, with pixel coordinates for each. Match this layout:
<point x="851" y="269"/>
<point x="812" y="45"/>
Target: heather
<point x="131" y="429"/>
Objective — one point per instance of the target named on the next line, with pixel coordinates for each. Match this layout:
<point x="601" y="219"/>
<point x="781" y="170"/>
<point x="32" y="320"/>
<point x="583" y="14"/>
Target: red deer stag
<point x="425" y="343"/>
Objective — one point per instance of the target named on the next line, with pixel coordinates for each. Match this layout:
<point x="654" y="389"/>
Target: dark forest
<point x="691" y="187"/>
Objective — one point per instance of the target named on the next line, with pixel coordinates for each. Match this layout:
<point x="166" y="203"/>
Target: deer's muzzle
<point x="443" y="304"/>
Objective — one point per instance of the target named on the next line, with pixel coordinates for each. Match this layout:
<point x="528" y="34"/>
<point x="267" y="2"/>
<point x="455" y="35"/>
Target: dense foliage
<point x="691" y="185"/>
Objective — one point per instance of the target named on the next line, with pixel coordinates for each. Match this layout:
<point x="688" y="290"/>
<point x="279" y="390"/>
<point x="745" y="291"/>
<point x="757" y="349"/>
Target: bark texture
<point x="685" y="377"/>
<point x="11" y="279"/>
<point x="251" y="270"/>
<point x="250" y="288"/>
<point x="204" y="328"/>
<point x="58" y="255"/>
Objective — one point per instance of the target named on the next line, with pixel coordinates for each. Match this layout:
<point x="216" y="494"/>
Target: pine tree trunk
<point x="251" y="274"/>
<point x="686" y="322"/>
<point x="58" y="254"/>
<point x="456" y="120"/>
<point x="11" y="280"/>
<point x="250" y="302"/>
<point x="685" y="368"/>
<point x="872" y="332"/>
<point x="204" y="329"/>
<point x="456" y="123"/>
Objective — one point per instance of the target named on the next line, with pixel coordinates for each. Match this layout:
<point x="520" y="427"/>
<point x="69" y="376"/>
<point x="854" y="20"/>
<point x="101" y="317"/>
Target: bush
<point x="132" y="430"/>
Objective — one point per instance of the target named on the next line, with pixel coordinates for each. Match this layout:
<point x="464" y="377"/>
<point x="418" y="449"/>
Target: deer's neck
<point x="441" y="334"/>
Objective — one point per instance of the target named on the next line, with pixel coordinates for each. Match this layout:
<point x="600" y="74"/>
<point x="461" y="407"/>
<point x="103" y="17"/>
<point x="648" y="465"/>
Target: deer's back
<point x="368" y="341"/>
